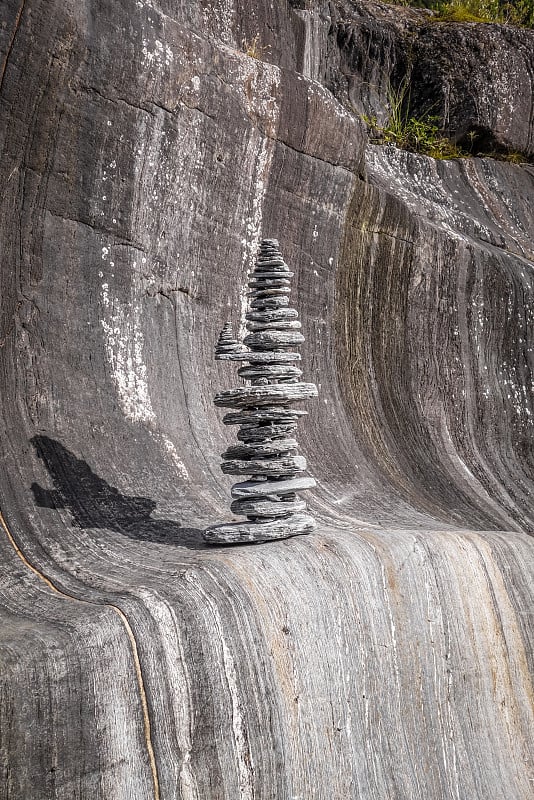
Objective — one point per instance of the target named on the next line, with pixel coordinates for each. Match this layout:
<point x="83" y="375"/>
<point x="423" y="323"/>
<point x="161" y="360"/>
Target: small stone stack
<point x="268" y="450"/>
<point x="226" y="344"/>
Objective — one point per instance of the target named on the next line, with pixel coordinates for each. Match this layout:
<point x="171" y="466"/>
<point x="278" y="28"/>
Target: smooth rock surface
<point x="389" y="654"/>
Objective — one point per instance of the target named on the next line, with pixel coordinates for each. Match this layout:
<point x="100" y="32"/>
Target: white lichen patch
<point x="178" y="463"/>
<point x="156" y="54"/>
<point x="124" y="343"/>
<point x="219" y="19"/>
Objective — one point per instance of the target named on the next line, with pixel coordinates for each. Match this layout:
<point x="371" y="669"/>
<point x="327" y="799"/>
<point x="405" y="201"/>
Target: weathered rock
<point x="278" y="325"/>
<point x="269" y="283"/>
<point x="260" y="433"/>
<point x="440" y="69"/>
<point x="266" y="414"/>
<point x="265" y="395"/>
<point x="270" y="270"/>
<point x="243" y="532"/>
<point x="271" y="316"/>
<point x="273" y="339"/>
<point x="270" y="371"/>
<point x="272" y="300"/>
<point x="268" y="447"/>
<point x="270" y="488"/>
<point x="265" y="277"/>
<point x="264" y="357"/>
<point x="267" y="508"/>
<point x="276" y="466"/>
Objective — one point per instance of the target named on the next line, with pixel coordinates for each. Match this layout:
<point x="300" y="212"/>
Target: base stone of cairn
<point x="264" y="411"/>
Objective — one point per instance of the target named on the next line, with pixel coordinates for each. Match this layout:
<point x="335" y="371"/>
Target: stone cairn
<point x="264" y="411"/>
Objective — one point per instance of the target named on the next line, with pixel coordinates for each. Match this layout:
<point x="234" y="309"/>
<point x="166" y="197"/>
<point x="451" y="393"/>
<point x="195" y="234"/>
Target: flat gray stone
<point x="255" y="294"/>
<point x="276" y="325"/>
<point x="262" y="415"/>
<point x="272" y="316"/>
<point x="270" y="302"/>
<point x="269" y="371"/>
<point x="267" y="508"/>
<point x="270" y="262"/>
<point x="264" y="433"/>
<point x="261" y="284"/>
<point x="279" y="466"/>
<point x="266" y="340"/>
<point x="265" y="395"/>
<point x="263" y="356"/>
<point x="270" y="447"/>
<point x="243" y="532"/>
<point x="269" y="487"/>
<point x="262" y="275"/>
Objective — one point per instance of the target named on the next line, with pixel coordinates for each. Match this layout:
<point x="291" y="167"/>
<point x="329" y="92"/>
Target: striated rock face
<point x="388" y="654"/>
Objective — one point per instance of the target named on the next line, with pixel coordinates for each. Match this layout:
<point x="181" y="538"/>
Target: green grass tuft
<point x="416" y="134"/>
<point x="504" y="12"/>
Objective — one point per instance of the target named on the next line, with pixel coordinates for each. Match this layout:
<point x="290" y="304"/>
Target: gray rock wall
<point x="390" y="653"/>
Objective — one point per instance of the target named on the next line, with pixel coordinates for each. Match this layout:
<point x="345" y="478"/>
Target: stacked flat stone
<point x="267" y="451"/>
<point x="226" y="344"/>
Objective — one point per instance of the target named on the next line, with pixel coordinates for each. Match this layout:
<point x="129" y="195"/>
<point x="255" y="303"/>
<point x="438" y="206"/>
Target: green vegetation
<point x="507" y="12"/>
<point x="416" y="134"/>
<point x="254" y="49"/>
<point x="423" y="135"/>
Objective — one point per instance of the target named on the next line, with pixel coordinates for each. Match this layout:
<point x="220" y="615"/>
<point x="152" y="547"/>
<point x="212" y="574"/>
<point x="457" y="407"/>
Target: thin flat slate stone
<point x="271" y="488"/>
<point x="263" y="356"/>
<point x="270" y="371"/>
<point x="260" y="449"/>
<point x="267" y="414"/>
<point x="272" y="316"/>
<point x="267" y="508"/>
<point x="255" y="294"/>
<point x="277" y="325"/>
<point x="270" y="262"/>
<point x="266" y="340"/>
<point x="263" y="433"/>
<point x="271" y="283"/>
<point x="272" y="270"/>
<point x="242" y="532"/>
<point x="277" y="274"/>
<point x="279" y="466"/>
<point x="265" y="395"/>
<point x="270" y="302"/>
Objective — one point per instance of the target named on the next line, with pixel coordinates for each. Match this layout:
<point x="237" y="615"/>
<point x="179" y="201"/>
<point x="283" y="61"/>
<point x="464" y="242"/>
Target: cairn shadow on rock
<point x="94" y="503"/>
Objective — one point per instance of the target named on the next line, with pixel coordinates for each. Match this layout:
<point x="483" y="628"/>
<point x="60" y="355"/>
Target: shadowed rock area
<point x="145" y="154"/>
